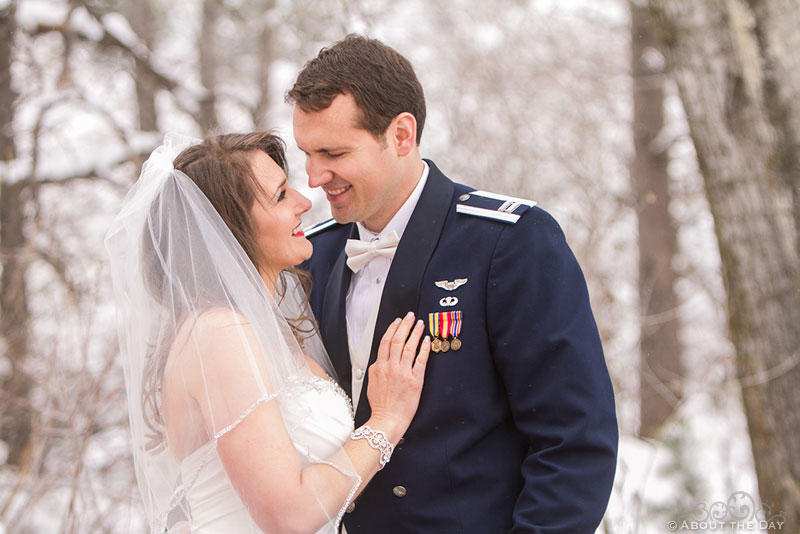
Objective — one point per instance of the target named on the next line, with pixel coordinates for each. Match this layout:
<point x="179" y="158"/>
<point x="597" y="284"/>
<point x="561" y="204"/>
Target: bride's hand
<point x="395" y="379"/>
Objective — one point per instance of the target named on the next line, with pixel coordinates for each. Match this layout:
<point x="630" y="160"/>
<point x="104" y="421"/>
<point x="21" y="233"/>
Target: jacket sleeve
<point x="547" y="349"/>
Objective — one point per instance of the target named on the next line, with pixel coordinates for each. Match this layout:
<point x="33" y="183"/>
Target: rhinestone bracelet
<point x="377" y="440"/>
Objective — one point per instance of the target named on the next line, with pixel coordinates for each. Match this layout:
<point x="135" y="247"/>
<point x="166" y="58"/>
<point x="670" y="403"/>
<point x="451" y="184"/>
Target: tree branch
<point x="138" y="51"/>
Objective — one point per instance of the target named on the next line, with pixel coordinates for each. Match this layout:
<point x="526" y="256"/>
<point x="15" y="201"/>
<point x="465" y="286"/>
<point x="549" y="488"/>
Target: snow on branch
<point x="113" y="29"/>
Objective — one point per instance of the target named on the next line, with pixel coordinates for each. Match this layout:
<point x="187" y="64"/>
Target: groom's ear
<point x="403" y="133"/>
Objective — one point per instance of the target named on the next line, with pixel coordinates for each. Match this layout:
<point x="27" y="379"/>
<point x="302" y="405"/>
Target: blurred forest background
<point x="662" y="134"/>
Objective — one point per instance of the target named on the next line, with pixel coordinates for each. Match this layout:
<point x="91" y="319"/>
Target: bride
<point x="237" y="425"/>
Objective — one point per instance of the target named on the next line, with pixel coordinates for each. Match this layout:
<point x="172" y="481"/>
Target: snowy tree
<point x="738" y="71"/>
<point x="661" y="368"/>
<point x="531" y="98"/>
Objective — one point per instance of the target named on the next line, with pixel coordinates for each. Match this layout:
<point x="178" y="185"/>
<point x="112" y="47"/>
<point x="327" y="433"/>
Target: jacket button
<point x="351" y="507"/>
<point x="463" y="198"/>
<point x="399" y="491"/>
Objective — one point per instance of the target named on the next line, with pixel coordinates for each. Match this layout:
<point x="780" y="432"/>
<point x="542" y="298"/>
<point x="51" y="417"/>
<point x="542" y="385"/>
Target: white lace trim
<point x="353" y="490"/>
<point x="261" y="400"/>
<point x="315" y="383"/>
<point x="324" y="385"/>
<point x="180" y="491"/>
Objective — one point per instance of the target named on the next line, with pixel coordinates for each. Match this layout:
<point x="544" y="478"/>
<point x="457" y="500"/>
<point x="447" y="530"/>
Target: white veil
<point x="180" y="277"/>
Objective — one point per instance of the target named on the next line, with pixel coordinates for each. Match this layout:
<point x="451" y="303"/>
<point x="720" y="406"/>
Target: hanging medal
<point x="433" y="327"/>
<point x="445" y="321"/>
<point x="455" y="331"/>
<point x="445" y="327"/>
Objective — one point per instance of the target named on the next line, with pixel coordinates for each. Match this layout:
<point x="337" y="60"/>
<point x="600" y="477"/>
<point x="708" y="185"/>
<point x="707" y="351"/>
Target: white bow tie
<point x="359" y="253"/>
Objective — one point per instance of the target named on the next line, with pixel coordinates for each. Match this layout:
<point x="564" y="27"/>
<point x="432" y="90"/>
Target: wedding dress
<point x="177" y="269"/>
<point x="320" y="419"/>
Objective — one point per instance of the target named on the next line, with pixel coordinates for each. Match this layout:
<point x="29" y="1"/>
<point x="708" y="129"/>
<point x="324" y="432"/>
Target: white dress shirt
<point x="366" y="288"/>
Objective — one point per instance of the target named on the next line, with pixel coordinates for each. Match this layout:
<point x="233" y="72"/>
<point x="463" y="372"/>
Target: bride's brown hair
<point x="220" y="167"/>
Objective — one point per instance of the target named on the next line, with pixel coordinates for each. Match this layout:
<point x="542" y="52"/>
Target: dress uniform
<point x="516" y="429"/>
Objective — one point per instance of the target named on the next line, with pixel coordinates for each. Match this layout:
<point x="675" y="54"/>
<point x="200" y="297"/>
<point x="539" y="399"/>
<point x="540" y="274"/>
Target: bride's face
<point x="276" y="217"/>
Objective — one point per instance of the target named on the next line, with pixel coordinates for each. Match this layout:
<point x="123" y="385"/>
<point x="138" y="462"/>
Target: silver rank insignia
<point x="493" y="206"/>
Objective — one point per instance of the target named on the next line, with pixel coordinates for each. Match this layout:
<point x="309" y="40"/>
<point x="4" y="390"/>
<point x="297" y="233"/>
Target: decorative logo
<point x="740" y="512"/>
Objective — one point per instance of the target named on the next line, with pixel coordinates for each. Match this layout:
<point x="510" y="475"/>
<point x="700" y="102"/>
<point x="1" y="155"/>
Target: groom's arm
<point x="546" y="346"/>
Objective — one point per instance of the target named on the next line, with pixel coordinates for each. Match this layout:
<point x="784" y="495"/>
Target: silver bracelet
<point x="377" y="440"/>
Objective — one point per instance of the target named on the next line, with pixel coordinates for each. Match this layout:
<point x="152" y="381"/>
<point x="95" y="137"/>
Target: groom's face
<point x="356" y="171"/>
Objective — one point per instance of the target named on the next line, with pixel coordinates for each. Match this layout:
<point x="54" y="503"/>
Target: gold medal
<point x="445" y="345"/>
<point x="436" y="344"/>
<point x="455" y="344"/>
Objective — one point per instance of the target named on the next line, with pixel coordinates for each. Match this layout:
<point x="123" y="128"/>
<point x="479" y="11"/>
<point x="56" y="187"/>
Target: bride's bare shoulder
<point x="207" y="332"/>
<point x="220" y="318"/>
<point x="210" y="323"/>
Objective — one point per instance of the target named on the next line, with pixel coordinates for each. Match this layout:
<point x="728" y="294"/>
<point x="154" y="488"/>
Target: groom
<point x="516" y="430"/>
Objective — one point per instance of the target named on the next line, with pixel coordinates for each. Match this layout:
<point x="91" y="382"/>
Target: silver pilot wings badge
<point x="447" y="285"/>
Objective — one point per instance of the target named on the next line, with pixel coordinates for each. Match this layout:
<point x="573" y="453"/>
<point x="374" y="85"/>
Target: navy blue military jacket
<point x="516" y="431"/>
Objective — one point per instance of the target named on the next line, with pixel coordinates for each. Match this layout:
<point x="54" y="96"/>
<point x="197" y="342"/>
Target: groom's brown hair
<point x="382" y="82"/>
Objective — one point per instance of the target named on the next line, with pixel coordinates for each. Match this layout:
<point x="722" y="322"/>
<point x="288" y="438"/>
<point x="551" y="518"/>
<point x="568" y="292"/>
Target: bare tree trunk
<point x="7" y="27"/>
<point x="779" y="37"/>
<point x="661" y="372"/>
<point x="206" y="47"/>
<point x="16" y="422"/>
<point x="724" y="59"/>
<point x="266" y="56"/>
<point x="140" y="15"/>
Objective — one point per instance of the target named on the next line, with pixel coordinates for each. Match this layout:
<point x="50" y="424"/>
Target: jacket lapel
<point x="401" y="291"/>
<point x="334" y="322"/>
